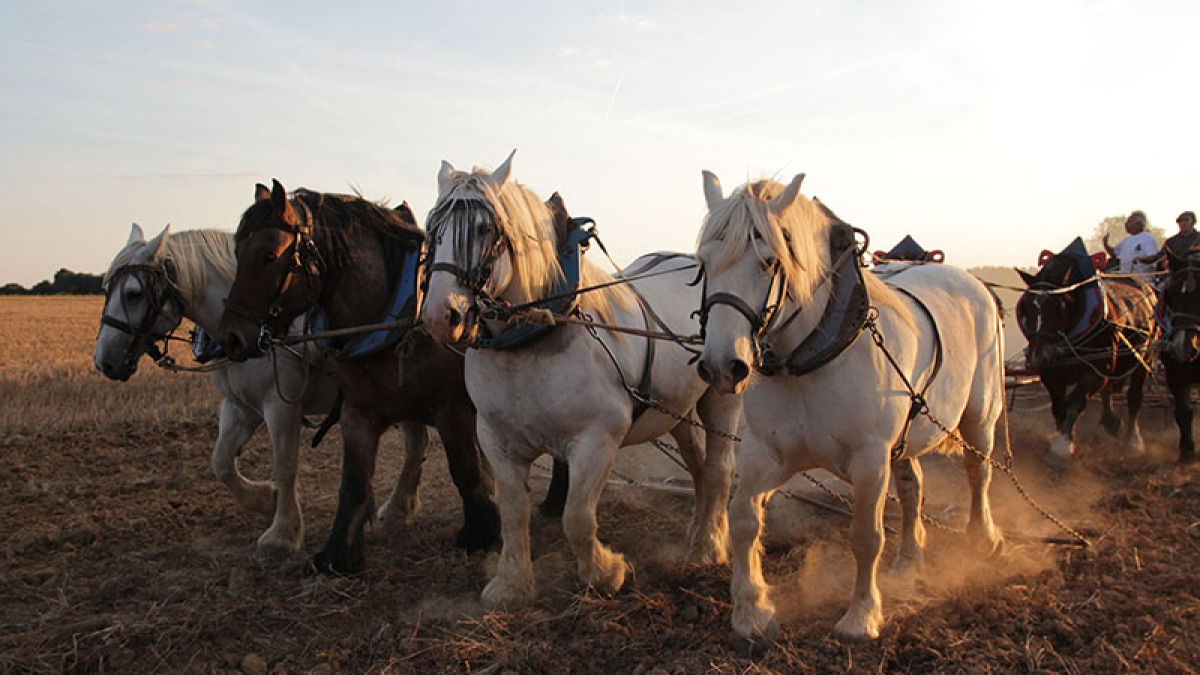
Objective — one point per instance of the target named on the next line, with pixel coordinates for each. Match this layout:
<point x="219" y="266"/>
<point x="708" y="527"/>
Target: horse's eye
<point x="133" y="294"/>
<point x="270" y="258"/>
<point x="767" y="264"/>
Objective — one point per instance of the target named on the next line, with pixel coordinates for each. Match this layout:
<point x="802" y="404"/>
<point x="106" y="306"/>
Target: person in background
<point x="1179" y="244"/>
<point x="1139" y="245"/>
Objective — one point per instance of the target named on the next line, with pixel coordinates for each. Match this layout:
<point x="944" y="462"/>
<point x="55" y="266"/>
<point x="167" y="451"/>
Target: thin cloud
<point x="161" y="27"/>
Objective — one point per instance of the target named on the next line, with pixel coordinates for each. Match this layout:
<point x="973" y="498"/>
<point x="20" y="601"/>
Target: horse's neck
<point x="206" y="312"/>
<point x="362" y="287"/>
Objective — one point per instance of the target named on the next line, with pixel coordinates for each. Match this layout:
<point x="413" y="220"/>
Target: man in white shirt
<point x="1139" y="244"/>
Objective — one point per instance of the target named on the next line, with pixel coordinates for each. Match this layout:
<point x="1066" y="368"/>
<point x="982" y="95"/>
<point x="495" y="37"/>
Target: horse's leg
<point x="1108" y="417"/>
<point x="1179" y="382"/>
<point x="981" y="528"/>
<point x="343" y="552"/>
<point x="910" y="558"/>
<point x="720" y="415"/>
<point x="403" y="502"/>
<point x="592" y="457"/>
<point x="237" y="425"/>
<point x="869" y="472"/>
<point x="687" y="437"/>
<point x="513" y="582"/>
<point x="473" y="478"/>
<point x="760" y="474"/>
<point x="286" y="534"/>
<point x="1063" y="446"/>
<point x="556" y="495"/>
<point x="1134" y="394"/>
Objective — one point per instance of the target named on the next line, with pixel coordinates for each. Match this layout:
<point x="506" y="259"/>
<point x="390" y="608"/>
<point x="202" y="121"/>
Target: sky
<point x="988" y="130"/>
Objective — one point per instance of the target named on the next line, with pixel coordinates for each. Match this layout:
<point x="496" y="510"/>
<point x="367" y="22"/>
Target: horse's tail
<point x="1008" y="453"/>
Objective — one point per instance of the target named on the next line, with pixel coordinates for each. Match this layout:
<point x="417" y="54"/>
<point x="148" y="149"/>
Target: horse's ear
<point x="556" y="205"/>
<point x="713" y="194"/>
<point x="280" y="203"/>
<point x="406" y="213"/>
<point x="444" y="173"/>
<point x="261" y="192"/>
<point x="562" y="219"/>
<point x="787" y="197"/>
<point x="500" y="175"/>
<point x="1026" y="276"/>
<point x="157" y="245"/>
<point x="135" y="235"/>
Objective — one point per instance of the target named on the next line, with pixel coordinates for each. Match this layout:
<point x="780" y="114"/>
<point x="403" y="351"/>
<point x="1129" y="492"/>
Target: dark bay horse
<point x="1087" y="334"/>
<point x="1179" y="313"/>
<point x="338" y="253"/>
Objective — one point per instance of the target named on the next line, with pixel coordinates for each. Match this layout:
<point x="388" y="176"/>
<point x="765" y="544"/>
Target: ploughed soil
<point x="119" y="552"/>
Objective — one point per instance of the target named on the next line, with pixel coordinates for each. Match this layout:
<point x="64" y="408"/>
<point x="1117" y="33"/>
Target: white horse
<point x="568" y="393"/>
<point x="152" y="286"/>
<point x="849" y="415"/>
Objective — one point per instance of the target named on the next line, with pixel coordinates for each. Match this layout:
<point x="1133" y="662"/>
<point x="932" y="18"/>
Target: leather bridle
<point x="473" y="272"/>
<point x="762" y="321"/>
<point x="306" y="260"/>
<point x="158" y="290"/>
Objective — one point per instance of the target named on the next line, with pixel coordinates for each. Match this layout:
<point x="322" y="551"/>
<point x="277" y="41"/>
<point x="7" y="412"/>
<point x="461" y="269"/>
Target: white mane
<point x="799" y="238"/>
<point x="532" y="267"/>
<point x="191" y="252"/>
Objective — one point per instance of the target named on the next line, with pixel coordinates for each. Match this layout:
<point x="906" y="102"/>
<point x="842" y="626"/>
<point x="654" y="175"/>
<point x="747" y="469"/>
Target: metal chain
<point x="637" y="396"/>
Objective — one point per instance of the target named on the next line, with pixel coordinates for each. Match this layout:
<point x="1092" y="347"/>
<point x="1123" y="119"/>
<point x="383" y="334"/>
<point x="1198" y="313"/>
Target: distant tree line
<point x="65" y="282"/>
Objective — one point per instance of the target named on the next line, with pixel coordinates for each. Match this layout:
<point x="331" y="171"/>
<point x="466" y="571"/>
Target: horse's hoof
<point x="271" y="553"/>
<point x="1060" y="453"/>
<point x="1187" y="458"/>
<point x="855" y="637"/>
<point x="337" y="563"/>
<point x="756" y="646"/>
<point x="499" y="596"/>
<point x="849" y="632"/>
<point x="397" y="512"/>
<point x="999" y="551"/>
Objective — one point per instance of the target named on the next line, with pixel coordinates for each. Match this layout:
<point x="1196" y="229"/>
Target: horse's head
<point x="1180" y="304"/>
<point x="491" y="241"/>
<point x="1045" y="314"/>
<point x="279" y="272"/>
<point x="757" y="247"/>
<point x="141" y="307"/>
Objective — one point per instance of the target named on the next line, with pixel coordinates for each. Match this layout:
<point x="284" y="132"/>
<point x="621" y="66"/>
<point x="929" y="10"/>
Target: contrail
<point x="616" y="90"/>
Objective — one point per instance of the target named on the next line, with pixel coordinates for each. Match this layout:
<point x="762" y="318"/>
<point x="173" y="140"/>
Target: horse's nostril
<point x="705" y="375"/>
<point x="454" y="318"/>
<point x="739" y="371"/>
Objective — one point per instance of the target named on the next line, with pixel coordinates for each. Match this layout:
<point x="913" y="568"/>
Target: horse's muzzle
<point x="455" y="325"/>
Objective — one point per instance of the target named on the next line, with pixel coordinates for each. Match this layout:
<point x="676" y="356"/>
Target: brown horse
<point x="1087" y="334"/>
<point x="1179" y="312"/>
<point x="337" y="253"/>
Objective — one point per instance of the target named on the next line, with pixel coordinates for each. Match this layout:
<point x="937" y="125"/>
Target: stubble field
<point x="119" y="552"/>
